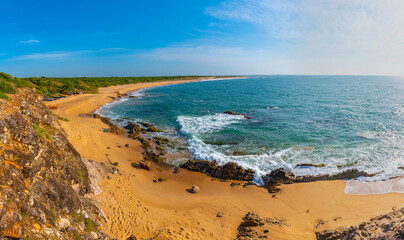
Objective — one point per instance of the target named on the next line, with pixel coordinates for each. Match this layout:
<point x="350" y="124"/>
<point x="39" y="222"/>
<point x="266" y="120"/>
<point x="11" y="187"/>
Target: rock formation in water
<point x="239" y="114"/>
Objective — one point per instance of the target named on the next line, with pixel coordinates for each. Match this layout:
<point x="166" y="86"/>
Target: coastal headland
<point x="158" y="204"/>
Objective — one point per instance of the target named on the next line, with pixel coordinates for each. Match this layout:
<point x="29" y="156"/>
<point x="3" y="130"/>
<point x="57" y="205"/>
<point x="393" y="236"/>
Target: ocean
<point x="356" y="121"/>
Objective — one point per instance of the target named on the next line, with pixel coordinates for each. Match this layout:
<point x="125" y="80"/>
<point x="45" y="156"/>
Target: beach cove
<point x="136" y="205"/>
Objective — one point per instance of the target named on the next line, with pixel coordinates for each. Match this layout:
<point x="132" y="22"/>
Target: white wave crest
<point x="261" y="164"/>
<point x="207" y="124"/>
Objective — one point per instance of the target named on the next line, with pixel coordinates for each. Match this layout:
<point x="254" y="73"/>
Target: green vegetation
<point x="90" y="225"/>
<point x="42" y="133"/>
<point x="63" y="119"/>
<point x="4" y="96"/>
<point x="50" y="86"/>
<point x="77" y="217"/>
<point x="80" y="174"/>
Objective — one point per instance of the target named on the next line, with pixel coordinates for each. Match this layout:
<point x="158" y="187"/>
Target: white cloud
<point x="36" y="56"/>
<point x="32" y="41"/>
<point x="330" y="36"/>
<point x="277" y="17"/>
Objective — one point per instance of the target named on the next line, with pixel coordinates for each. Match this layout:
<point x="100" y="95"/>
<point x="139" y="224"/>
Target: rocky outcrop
<point x="228" y="171"/>
<point x="240" y="114"/>
<point x="387" y="226"/>
<point x="113" y="127"/>
<point x="255" y="227"/>
<point x="276" y="177"/>
<point x="44" y="184"/>
<point x="347" y="174"/>
<point x="134" y="130"/>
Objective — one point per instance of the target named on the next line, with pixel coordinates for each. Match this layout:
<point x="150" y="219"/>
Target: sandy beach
<point x="135" y="205"/>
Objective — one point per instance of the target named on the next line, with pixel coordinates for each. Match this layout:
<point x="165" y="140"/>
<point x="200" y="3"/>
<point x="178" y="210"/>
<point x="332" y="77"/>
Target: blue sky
<point x="201" y="37"/>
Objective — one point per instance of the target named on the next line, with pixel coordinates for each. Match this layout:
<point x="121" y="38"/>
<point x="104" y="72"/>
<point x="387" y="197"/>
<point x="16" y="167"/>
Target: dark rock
<point x="229" y="171"/>
<point x="126" y="145"/>
<point x="347" y="174"/>
<point x="134" y="129"/>
<point x="219" y="214"/>
<point x="249" y="183"/>
<point x="277" y="177"/>
<point x="113" y="127"/>
<point x="145" y="165"/>
<point x="240" y="114"/>
<point x="133" y="237"/>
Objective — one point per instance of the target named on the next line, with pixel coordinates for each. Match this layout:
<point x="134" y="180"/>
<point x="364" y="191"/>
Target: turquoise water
<point x="295" y="119"/>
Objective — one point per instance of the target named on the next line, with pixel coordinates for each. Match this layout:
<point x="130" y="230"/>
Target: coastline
<point x="134" y="204"/>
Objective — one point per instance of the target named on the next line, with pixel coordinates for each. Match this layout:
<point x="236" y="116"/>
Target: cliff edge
<point x="45" y="190"/>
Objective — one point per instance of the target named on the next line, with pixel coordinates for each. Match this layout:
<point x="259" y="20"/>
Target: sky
<point x="201" y="37"/>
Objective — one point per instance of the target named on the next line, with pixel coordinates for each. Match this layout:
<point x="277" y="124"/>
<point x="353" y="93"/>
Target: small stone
<point x="115" y="164"/>
<point x="119" y="146"/>
<point x="195" y="189"/>
<point x="176" y="170"/>
<point x="126" y="145"/>
<point x="144" y="165"/>
<point x="234" y="184"/>
<point x="219" y="214"/>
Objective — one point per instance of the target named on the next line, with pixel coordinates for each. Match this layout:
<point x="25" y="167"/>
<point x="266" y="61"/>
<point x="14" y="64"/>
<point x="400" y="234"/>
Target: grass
<point x="90" y="225"/>
<point x="42" y="133"/>
<point x="4" y="96"/>
<point x="77" y="217"/>
<point x="80" y="174"/>
<point x="63" y="119"/>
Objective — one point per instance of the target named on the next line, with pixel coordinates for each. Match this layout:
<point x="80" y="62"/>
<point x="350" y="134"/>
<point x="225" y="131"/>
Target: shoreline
<point x="134" y="204"/>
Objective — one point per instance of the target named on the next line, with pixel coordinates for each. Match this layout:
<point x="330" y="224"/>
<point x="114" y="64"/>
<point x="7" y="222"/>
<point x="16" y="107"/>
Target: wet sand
<point x="134" y="204"/>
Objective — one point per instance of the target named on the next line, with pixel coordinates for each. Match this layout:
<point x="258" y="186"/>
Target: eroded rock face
<point x="228" y="171"/>
<point x="387" y="227"/>
<point x="44" y="182"/>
